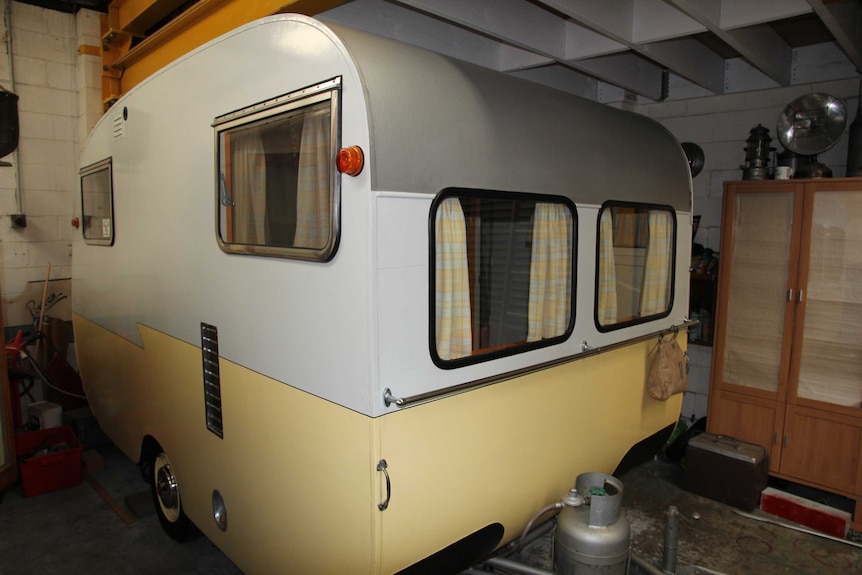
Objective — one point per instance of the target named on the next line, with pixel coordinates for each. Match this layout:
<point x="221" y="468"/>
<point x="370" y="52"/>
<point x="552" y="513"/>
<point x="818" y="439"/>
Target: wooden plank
<point x="97" y="487"/>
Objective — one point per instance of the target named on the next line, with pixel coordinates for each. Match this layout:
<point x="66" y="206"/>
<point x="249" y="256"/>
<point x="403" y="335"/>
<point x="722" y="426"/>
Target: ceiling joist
<point x="613" y="48"/>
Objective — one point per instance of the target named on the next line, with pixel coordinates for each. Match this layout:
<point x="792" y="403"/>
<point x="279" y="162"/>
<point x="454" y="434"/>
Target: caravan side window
<point x="503" y="276"/>
<point x="97" y="203"/>
<point x="634" y="279"/>
<point x="277" y="191"/>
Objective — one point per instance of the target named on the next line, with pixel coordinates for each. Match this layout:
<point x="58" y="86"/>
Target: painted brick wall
<point x="46" y="73"/>
<point x="721" y="125"/>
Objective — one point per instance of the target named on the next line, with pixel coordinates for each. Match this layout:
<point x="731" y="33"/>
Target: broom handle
<point x="42" y="310"/>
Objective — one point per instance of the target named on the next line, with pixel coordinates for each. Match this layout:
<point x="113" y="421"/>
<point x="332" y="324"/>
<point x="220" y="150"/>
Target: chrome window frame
<point x="329" y="90"/>
<point x="99" y="166"/>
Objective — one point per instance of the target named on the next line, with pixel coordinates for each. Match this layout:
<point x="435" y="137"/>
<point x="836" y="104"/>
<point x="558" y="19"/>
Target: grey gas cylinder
<point x="595" y="538"/>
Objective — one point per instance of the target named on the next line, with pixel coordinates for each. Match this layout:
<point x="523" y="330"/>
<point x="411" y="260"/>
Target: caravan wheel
<point x="166" y="497"/>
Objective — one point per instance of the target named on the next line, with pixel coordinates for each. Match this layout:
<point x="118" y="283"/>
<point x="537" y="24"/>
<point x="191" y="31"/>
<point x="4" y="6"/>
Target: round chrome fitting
<point x="219" y="510"/>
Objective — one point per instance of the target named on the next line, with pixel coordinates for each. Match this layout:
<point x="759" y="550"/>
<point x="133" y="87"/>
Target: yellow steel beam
<point x="124" y="68"/>
<point x="137" y="16"/>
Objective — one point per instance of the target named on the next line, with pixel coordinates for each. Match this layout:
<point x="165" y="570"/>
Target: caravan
<point x="356" y="307"/>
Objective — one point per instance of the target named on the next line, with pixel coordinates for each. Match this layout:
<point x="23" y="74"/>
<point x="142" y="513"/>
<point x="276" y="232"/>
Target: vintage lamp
<point x="757" y="154"/>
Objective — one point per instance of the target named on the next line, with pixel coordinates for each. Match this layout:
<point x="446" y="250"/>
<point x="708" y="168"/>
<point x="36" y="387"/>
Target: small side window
<point x="277" y="190"/>
<point x="503" y="274"/>
<point x="97" y="203"/>
<point x="636" y="246"/>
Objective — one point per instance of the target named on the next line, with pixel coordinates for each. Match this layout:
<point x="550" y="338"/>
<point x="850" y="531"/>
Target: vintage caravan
<point x="361" y="308"/>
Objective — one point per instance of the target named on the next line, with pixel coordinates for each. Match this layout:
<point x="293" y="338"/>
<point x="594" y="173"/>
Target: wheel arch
<point x="150" y="448"/>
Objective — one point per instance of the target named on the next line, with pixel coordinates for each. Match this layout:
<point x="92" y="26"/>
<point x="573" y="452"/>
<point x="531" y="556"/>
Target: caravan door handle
<point x="381" y="466"/>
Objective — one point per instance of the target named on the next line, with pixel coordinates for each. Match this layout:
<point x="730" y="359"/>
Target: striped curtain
<point x="313" y="189"/>
<point x="452" y="282"/>
<point x="655" y="293"/>
<point x="550" y="272"/>
<point x="248" y="175"/>
<point x="607" y="285"/>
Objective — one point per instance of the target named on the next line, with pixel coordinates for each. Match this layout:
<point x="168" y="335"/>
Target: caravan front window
<point x="634" y="280"/>
<point x="97" y="206"/>
<point x="503" y="274"/>
<point x="277" y="192"/>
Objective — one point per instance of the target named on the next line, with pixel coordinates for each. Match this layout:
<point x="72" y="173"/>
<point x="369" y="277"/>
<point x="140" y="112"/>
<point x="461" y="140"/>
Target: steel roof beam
<point x="649" y="28"/>
<point x="844" y="21"/>
<point x="532" y="28"/>
<point x="733" y="22"/>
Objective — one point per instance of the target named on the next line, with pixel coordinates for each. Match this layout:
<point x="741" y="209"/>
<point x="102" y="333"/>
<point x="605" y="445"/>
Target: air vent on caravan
<point x="212" y="382"/>
<point x="119" y="127"/>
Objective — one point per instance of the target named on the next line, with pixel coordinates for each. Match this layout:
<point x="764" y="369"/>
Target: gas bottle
<point x="594" y="538"/>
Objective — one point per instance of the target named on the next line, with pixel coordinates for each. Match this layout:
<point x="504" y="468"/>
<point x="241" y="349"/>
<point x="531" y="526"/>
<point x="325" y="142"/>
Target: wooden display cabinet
<point x="787" y="362"/>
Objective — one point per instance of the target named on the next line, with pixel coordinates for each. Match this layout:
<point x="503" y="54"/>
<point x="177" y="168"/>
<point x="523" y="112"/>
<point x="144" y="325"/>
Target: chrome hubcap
<point x="166" y="487"/>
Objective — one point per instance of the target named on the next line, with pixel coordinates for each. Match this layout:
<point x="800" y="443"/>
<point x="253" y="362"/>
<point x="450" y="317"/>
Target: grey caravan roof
<point x="437" y="122"/>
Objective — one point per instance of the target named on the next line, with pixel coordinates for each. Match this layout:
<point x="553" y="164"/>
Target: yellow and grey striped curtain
<point x="627" y="228"/>
<point x="313" y="189"/>
<point x="452" y="281"/>
<point x="248" y="178"/>
<point x="655" y="293"/>
<point x="550" y="272"/>
<point x="607" y="285"/>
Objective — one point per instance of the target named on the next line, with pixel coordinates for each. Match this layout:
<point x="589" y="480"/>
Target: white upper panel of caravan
<point x="346" y="329"/>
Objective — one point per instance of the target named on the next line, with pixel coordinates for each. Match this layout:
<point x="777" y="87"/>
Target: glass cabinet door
<point x="759" y="277"/>
<point x="829" y="347"/>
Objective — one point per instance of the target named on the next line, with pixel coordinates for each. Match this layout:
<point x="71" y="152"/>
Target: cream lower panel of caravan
<point x="502" y="452"/>
<point x="296" y="471"/>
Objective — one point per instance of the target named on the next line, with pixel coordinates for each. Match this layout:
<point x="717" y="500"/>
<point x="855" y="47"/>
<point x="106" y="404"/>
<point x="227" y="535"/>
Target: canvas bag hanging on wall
<point x="668" y="374"/>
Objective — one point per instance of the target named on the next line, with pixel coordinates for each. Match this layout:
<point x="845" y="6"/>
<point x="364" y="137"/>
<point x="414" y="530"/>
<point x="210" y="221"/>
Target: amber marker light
<point x="350" y="160"/>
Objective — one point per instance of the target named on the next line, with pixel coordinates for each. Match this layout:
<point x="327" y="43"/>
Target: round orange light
<point x="350" y="160"/>
<point x="75" y="223"/>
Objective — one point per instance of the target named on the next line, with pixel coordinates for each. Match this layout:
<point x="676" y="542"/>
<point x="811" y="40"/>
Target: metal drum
<point x="595" y="538"/>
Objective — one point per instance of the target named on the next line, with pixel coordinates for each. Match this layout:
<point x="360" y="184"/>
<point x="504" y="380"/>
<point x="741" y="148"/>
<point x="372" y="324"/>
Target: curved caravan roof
<point x="437" y="122"/>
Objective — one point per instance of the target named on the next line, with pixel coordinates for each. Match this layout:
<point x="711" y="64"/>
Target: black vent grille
<point x="212" y="382"/>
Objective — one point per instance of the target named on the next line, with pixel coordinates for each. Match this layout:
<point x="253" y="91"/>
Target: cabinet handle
<point x="775" y="438"/>
<point x="790" y="294"/>
<point x="785" y="441"/>
<point x="799" y="296"/>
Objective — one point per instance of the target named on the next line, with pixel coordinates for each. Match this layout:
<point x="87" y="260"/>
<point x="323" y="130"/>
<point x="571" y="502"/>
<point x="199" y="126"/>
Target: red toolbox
<point x="726" y="470"/>
<point x="48" y="459"/>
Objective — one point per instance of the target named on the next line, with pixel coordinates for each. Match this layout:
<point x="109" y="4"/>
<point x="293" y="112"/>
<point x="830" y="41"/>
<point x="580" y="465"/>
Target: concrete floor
<point x="712" y="535"/>
<point x="721" y="539"/>
<point x="74" y="531"/>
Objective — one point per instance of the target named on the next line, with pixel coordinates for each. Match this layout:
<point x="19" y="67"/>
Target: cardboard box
<point x="48" y="459"/>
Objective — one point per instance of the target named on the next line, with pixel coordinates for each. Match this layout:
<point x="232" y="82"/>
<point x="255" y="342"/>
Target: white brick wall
<point x="721" y="125"/>
<point x="48" y="75"/>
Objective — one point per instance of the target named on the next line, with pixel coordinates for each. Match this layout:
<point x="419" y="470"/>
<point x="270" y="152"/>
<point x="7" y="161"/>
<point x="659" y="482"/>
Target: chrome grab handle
<point x="389" y="398"/>
<point x="381" y="466"/>
<point x="588" y="351"/>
